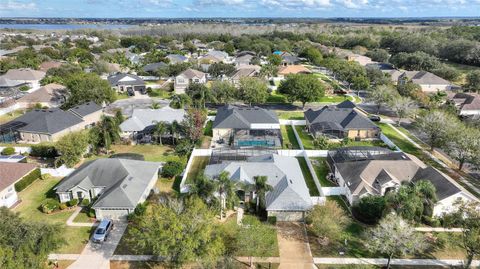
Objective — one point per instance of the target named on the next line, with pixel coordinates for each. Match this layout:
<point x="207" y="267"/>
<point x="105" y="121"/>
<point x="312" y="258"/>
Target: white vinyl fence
<point x="61" y="171"/>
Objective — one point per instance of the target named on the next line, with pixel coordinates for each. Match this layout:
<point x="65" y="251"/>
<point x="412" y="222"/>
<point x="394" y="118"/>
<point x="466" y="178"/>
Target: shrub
<point x="27" y="180"/>
<point x="91" y="213"/>
<point x="72" y="202"/>
<point x="44" y="151"/>
<point x="8" y="151"/>
<point x="172" y="169"/>
<point x="85" y="202"/>
<point x="140" y="209"/>
<point x="62" y="206"/>
<point x="49" y="205"/>
<point x="327" y="221"/>
<point x="370" y="209"/>
<point x="272" y="220"/>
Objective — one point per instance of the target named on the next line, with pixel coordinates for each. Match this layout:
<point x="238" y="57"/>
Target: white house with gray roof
<point x="246" y="127"/>
<point x="289" y="199"/>
<point x="116" y="186"/>
<point x="129" y="83"/>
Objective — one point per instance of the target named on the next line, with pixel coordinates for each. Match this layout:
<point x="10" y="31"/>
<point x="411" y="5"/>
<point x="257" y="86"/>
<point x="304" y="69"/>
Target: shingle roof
<point x="154" y="66"/>
<point x="283" y="173"/>
<point x="192" y="73"/>
<point x="8" y="83"/>
<point x="468" y="101"/>
<point x="48" y="121"/>
<point x="444" y="187"/>
<point x="125" y="79"/>
<point x="12" y="172"/>
<point x="293" y="69"/>
<point x="176" y="58"/>
<point x="143" y="118"/>
<point x="24" y="74"/>
<point x="346" y="118"/>
<point x="47" y="93"/>
<point x="124" y="181"/>
<point x="230" y="116"/>
<point x="85" y="109"/>
<point x="425" y="78"/>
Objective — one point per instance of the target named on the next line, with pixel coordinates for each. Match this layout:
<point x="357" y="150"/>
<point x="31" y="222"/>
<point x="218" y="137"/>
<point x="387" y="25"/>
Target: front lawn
<point x="307" y="139"/>
<point x="399" y="140"/>
<point x="277" y="98"/>
<point x="288" y="136"/>
<point x="32" y="197"/>
<point x="322" y="170"/>
<point x="312" y="187"/>
<point x="198" y="165"/>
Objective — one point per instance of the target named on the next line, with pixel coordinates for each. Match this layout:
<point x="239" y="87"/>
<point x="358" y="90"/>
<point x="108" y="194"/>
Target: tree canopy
<point x="302" y="87"/>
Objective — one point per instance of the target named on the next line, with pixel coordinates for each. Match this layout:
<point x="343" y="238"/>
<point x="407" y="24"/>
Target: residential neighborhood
<point x="249" y="143"/>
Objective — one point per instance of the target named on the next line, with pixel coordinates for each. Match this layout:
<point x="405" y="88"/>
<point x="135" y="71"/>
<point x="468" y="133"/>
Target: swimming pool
<point x="255" y="143"/>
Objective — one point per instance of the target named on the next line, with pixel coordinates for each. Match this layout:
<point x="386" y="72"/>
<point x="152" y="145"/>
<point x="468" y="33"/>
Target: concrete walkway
<point x="98" y="255"/>
<point x="78" y="224"/>
<point x="293" y="246"/>
<point x="438" y="229"/>
<point x="418" y="262"/>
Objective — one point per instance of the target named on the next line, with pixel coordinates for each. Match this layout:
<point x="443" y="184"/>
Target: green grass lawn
<point x="12" y="115"/>
<point x="289" y="139"/>
<point x="275" y="97"/>
<point x="312" y="188"/>
<point x="198" y="165"/>
<point x="82" y="217"/>
<point x="32" y="197"/>
<point x="321" y="168"/>
<point x="307" y="139"/>
<point x="400" y="141"/>
<point x="290" y="115"/>
<point x="152" y="153"/>
<point x="334" y="99"/>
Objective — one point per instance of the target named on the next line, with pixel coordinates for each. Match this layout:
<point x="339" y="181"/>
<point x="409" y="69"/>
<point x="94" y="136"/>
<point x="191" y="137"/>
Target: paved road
<point x="293" y="246"/>
<point x="418" y="262"/>
<point x="98" y="255"/>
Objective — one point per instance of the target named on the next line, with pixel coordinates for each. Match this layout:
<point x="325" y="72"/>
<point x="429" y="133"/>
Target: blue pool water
<point x="255" y="143"/>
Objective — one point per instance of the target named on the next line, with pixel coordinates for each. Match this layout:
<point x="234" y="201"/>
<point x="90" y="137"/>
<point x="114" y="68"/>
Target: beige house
<point x="26" y="76"/>
<point x="186" y="77"/>
<point x="49" y="125"/>
<point x="11" y="173"/>
<point x="51" y="95"/>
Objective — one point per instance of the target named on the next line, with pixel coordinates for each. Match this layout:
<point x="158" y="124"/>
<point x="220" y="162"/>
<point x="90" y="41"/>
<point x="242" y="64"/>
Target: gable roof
<point x="85" y="109"/>
<point x="47" y="93"/>
<point x="143" y="118"/>
<point x="290" y="193"/>
<point x="245" y="71"/>
<point x="125" y="79"/>
<point x="24" y="74"/>
<point x="10" y="173"/>
<point x="425" y="78"/>
<point x="9" y="83"/>
<point x="124" y="181"/>
<point x="192" y="73"/>
<point x="467" y="101"/>
<point x="47" y="121"/>
<point x="45" y="66"/>
<point x="176" y="58"/>
<point x="234" y="117"/>
<point x="293" y="69"/>
<point x="154" y="66"/>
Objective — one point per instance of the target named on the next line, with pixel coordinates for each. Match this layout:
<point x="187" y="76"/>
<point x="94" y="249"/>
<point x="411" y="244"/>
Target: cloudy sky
<point x="238" y="8"/>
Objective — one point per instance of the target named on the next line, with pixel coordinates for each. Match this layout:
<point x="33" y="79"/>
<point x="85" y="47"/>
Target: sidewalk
<point x="418" y="262"/>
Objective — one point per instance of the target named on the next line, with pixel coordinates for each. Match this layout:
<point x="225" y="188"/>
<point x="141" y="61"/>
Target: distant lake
<point x="64" y="26"/>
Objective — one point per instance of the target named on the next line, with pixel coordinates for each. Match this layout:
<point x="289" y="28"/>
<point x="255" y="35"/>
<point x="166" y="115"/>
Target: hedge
<point x="8" y="151"/>
<point x="27" y="180"/>
<point x="43" y="150"/>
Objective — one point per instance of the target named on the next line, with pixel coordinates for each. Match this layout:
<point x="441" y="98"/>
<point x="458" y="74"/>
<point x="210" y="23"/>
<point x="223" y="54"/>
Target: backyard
<point x="290" y="115"/>
<point x="288" y="136"/>
<point x="198" y="165"/>
<point x="312" y="187"/>
<point x="322" y="170"/>
<point x="32" y="197"/>
<point x="10" y="116"/>
<point x="307" y="139"/>
<point x="152" y="153"/>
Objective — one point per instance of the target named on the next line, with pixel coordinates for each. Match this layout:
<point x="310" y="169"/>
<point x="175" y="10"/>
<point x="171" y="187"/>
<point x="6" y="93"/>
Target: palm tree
<point x="204" y="188"/>
<point x="261" y="188"/>
<point x="159" y="130"/>
<point x="174" y="128"/>
<point x="226" y="190"/>
<point x="109" y="131"/>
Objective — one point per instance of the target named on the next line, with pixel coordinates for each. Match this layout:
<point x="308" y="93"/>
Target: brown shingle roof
<point x="293" y="69"/>
<point x="12" y="172"/>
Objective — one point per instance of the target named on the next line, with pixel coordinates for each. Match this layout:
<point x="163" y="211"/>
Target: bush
<point x="140" y="209"/>
<point x="27" y="180"/>
<point x="49" y="205"/>
<point x="8" y="151"/>
<point x="433" y="222"/>
<point x="172" y="169"/>
<point x="91" y="213"/>
<point x="62" y="206"/>
<point x="272" y="220"/>
<point x="44" y="151"/>
<point x="85" y="202"/>
<point x="72" y="202"/>
<point x="370" y="209"/>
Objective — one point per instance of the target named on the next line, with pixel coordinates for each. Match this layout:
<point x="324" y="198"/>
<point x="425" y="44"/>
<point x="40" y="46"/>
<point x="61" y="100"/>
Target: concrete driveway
<point x="127" y="105"/>
<point x="293" y="246"/>
<point x="98" y="255"/>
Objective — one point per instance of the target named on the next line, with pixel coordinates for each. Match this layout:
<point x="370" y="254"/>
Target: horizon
<point x="211" y="9"/>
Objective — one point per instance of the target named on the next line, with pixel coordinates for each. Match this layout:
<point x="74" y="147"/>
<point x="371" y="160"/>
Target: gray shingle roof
<point x="176" y="58"/>
<point x="85" y="109"/>
<point x="124" y="181"/>
<point x="346" y="118"/>
<point x="143" y="118"/>
<point x="445" y="188"/>
<point x="125" y="79"/>
<point x="48" y="121"/>
<point x="154" y="66"/>
<point x="233" y="117"/>
<point x="290" y="193"/>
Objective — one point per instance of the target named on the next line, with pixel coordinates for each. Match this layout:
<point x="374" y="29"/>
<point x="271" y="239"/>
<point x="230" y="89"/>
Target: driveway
<point x="127" y="105"/>
<point x="98" y="255"/>
<point x="293" y="246"/>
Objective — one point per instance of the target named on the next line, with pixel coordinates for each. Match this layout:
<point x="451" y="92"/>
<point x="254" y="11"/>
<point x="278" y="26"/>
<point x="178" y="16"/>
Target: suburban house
<point x="10" y="88"/>
<point x="468" y="104"/>
<point x="186" y="77"/>
<point x="246" y="127"/>
<point x="244" y="71"/>
<point x="360" y="59"/>
<point x="292" y="69"/>
<point x="154" y="67"/>
<point x="50" y="95"/>
<point x="363" y="171"/>
<point x="11" y="173"/>
<point x="142" y="120"/>
<point x="116" y="186"/>
<point x="45" y="66"/>
<point x="289" y="199"/>
<point x="49" y="125"/>
<point x="217" y="54"/>
<point x="176" y="58"/>
<point x="290" y="60"/>
<point x="244" y="59"/>
<point x="24" y="76"/>
<point x="340" y="121"/>
<point x="128" y="83"/>
<point x="429" y="83"/>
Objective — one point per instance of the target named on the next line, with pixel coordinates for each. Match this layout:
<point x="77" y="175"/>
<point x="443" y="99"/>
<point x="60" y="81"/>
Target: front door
<point x="80" y="195"/>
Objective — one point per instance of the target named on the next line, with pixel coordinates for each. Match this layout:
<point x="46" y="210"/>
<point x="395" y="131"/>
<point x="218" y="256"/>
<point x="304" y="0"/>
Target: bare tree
<point x="381" y="96"/>
<point x="403" y="107"/>
<point x="435" y="125"/>
<point x="463" y="144"/>
<point x="393" y="236"/>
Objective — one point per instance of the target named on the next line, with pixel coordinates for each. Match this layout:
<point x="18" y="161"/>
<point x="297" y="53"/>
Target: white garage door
<point x="111" y="213"/>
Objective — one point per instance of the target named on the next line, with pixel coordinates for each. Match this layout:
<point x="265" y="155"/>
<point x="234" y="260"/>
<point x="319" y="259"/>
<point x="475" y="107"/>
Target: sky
<point x="238" y="8"/>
